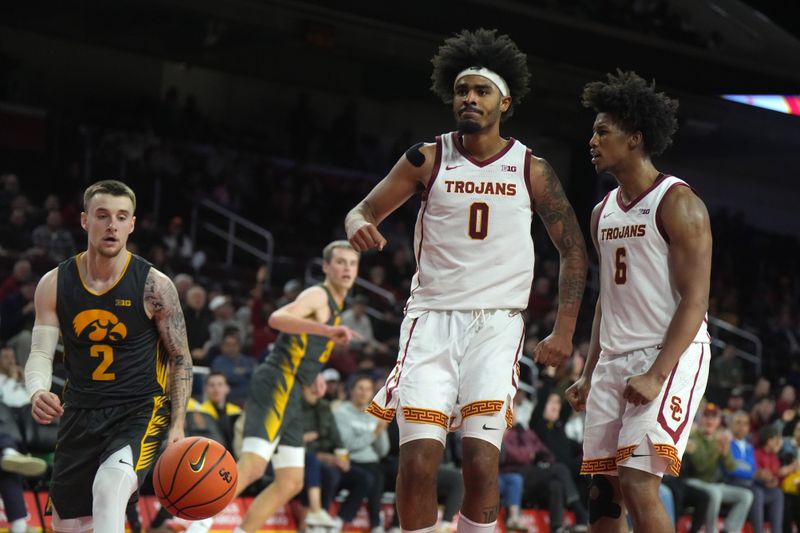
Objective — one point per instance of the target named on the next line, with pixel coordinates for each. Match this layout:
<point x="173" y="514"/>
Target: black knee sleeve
<point x="601" y="500"/>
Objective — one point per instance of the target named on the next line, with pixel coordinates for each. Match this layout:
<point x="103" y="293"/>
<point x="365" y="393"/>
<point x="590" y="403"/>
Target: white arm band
<point x="39" y="368"/>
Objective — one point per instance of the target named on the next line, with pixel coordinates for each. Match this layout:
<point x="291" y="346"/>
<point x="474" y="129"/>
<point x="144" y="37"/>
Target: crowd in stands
<point x="742" y="462"/>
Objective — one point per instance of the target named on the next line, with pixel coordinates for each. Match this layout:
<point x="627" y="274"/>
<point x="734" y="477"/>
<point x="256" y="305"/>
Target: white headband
<point x="490" y="75"/>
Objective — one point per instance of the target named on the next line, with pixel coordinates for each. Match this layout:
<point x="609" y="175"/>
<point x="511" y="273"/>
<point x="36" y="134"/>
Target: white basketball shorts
<point x="650" y="437"/>
<point x="455" y="370"/>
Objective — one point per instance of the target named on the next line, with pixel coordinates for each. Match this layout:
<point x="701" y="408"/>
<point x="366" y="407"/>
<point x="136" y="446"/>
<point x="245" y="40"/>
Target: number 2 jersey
<point x="112" y="351"/>
<point x="472" y="239"/>
<point x="638" y="296"/>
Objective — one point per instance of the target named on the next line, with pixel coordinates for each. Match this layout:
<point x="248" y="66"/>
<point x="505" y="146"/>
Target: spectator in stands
<point x="335" y="391"/>
<point x="17" y="312"/>
<point x="20" y="273"/>
<point x="726" y="373"/>
<point x="9" y="192"/>
<point x="322" y="438"/>
<point x="356" y="318"/>
<point x="761" y="390"/>
<point x="734" y="403"/>
<point x="786" y="399"/>
<point x="176" y="243"/>
<point x="708" y="447"/>
<point x="13" y="463"/>
<point x="183" y="282"/>
<point x="762" y="414"/>
<point x="260" y="310"/>
<point x="546" y="480"/>
<point x="222" y="307"/>
<point x="15" y="235"/>
<point x="685" y="495"/>
<point x="12" y="379"/>
<point x="52" y="240"/>
<point x="366" y="439"/>
<point x="217" y="405"/>
<point x="198" y="320"/>
<point x="237" y="367"/>
<point x="790" y="460"/>
<point x="745" y="473"/>
<point x="291" y="289"/>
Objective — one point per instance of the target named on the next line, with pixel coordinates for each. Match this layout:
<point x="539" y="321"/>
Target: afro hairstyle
<point x="480" y="48"/>
<point x="637" y="106"/>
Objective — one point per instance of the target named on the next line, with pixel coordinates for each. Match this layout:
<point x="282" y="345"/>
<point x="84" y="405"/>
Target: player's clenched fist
<point x="366" y="237"/>
<point x="45" y="406"/>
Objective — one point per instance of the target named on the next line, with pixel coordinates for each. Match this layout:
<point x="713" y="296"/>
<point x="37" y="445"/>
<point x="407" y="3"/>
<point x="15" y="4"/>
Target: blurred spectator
<point x="260" y="311"/>
<point x="335" y="392"/>
<point x="769" y="474"/>
<point x="725" y="374"/>
<point x="52" y="240"/>
<point x="11" y="490"/>
<point x="177" y="244"/>
<point x="15" y="234"/>
<point x="222" y="307"/>
<point x="236" y="367"/>
<point x="366" y="439"/>
<point x="183" y="282"/>
<point x="762" y="414"/>
<point x="291" y="289"/>
<point x="198" y="319"/>
<point x="548" y="420"/>
<point x="707" y="449"/>
<point x="9" y="191"/>
<point x="356" y="318"/>
<point x="789" y="456"/>
<point x="17" y="312"/>
<point x="225" y="413"/>
<point x="19" y="275"/>
<point x="786" y="400"/>
<point x="761" y="390"/>
<point x="734" y="403"/>
<point x="745" y="474"/>
<point x="322" y="438"/>
<point x="523" y="409"/>
<point x="147" y="233"/>
<point x="541" y="298"/>
<point x="12" y="379"/>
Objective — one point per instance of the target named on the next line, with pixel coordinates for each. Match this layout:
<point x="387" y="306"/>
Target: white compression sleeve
<point x="39" y="368"/>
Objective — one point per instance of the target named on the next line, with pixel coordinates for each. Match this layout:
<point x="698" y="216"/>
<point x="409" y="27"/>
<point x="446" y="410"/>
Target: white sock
<point x="9" y="452"/>
<point x="20" y="525"/>
<point x="465" y="525"/>
<point x="200" y="526"/>
<point x="430" y="529"/>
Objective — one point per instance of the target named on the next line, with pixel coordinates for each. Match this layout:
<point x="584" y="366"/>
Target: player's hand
<point x="343" y="335"/>
<point x="366" y="237"/>
<point x="343" y="464"/>
<point x="45" y="406"/>
<point x="577" y="393"/>
<point x="553" y="350"/>
<point x="642" y="389"/>
<point x="175" y="434"/>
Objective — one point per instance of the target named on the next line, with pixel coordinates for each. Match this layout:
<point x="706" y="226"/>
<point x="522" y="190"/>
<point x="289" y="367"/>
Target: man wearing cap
<point x="461" y="337"/>
<point x="708" y="447"/>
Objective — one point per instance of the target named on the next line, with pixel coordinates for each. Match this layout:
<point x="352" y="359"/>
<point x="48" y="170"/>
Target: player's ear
<point x="84" y="220"/>
<point x="505" y="103"/>
<point x="635" y="139"/>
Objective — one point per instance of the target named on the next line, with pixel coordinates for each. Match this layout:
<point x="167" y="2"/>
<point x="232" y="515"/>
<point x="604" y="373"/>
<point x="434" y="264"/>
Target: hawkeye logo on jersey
<point x="481" y="187"/>
<point x="99" y="325"/>
<point x="122" y="302"/>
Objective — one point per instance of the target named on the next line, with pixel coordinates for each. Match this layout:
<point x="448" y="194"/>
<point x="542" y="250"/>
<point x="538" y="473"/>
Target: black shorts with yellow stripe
<point x="87" y="437"/>
<point x="273" y="407"/>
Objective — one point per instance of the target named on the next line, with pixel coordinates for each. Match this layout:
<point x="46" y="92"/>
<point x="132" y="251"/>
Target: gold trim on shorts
<point x="670" y="453"/>
<point x="509" y="417"/>
<point x="419" y="415"/>
<point x="379" y="412"/>
<point x="482" y="407"/>
<point x="599" y="466"/>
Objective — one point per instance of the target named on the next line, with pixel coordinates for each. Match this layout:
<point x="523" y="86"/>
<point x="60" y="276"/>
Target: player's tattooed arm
<point x="559" y="219"/>
<point x="162" y="303"/>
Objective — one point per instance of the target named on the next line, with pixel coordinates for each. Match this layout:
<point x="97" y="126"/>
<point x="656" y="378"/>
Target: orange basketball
<point x="195" y="478"/>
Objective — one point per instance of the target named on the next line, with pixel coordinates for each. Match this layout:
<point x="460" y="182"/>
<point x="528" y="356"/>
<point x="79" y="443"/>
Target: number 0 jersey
<point x="112" y="351"/>
<point x="472" y="239"/>
<point x="638" y="296"/>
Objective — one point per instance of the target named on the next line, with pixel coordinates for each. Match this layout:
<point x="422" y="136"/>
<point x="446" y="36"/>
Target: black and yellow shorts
<point x="87" y="437"/>
<point x="273" y="407"/>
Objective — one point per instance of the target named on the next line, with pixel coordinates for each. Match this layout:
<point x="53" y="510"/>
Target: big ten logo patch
<point x="508" y="168"/>
<point x="676" y="408"/>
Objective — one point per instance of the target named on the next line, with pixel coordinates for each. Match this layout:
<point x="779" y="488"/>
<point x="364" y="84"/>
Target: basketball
<point x="195" y="478"/>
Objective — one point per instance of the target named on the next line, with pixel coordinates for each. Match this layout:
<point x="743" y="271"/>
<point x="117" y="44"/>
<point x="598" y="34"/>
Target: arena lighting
<point x="789" y="104"/>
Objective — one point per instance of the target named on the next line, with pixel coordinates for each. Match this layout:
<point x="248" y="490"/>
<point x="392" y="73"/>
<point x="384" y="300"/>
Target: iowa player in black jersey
<point x="128" y="367"/>
<point x="309" y="328"/>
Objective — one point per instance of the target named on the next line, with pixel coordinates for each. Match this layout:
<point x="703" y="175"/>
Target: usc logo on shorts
<point x="675" y="407"/>
<point x="99" y="325"/>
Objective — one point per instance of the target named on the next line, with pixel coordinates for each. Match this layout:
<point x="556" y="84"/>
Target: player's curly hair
<point x="638" y="107"/>
<point x="480" y="48"/>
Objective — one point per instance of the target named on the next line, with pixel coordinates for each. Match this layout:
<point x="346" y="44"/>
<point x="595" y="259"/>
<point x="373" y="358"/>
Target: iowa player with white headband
<point x="462" y="334"/>
<point x="129" y="370"/>
<point x="647" y="366"/>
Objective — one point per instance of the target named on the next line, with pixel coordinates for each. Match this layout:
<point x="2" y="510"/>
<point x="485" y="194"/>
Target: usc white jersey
<point x="472" y="239"/>
<point x="637" y="294"/>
